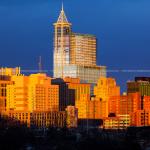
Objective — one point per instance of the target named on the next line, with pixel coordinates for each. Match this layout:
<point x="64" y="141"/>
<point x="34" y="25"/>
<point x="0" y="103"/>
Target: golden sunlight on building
<point x="4" y="81"/>
<point x="10" y="71"/>
<point x="119" y="122"/>
<point x="80" y="88"/>
<point x="32" y="93"/>
<point x="106" y="87"/>
<point x="88" y="108"/>
<point x="40" y="100"/>
<point x="17" y="94"/>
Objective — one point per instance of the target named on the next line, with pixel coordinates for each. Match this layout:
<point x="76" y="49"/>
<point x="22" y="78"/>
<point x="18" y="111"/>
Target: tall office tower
<point x="32" y="93"/>
<point x="141" y="84"/>
<point x="83" y="49"/>
<point x="75" y="54"/>
<point x="61" y="44"/>
<point x="106" y="88"/>
<point x="43" y="95"/>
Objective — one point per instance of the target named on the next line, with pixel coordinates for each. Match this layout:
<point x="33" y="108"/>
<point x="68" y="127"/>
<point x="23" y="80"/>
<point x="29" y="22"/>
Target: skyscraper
<point x="75" y="54"/>
<point x="106" y="88"/>
<point x="61" y="44"/>
<point x="141" y="84"/>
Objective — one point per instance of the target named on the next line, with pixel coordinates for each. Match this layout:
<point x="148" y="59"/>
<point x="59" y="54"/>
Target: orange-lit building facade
<point x="44" y="101"/>
<point x="146" y="103"/>
<point x="10" y="71"/>
<point x="38" y="92"/>
<point x="88" y="107"/>
<point x="17" y="94"/>
<point x="134" y="105"/>
<point x="129" y="103"/>
<point x="44" y="96"/>
<point x="79" y="88"/>
<point x="140" y="118"/>
<point x="4" y="81"/>
<point x="106" y="88"/>
<point x="119" y="122"/>
<point x="35" y="100"/>
<point x="125" y="104"/>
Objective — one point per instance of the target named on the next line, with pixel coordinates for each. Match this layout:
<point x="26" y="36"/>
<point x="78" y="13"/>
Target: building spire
<point x="62" y="7"/>
<point x="62" y="17"/>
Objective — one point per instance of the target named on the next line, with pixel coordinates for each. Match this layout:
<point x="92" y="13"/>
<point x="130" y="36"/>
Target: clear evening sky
<point x="121" y="26"/>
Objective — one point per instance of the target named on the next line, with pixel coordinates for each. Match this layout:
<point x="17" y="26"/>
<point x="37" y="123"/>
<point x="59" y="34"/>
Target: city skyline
<point x="23" y="23"/>
<point x="75" y="74"/>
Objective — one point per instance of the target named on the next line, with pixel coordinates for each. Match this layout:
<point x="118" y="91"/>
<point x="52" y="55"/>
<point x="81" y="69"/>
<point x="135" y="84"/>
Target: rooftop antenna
<point x="40" y="64"/>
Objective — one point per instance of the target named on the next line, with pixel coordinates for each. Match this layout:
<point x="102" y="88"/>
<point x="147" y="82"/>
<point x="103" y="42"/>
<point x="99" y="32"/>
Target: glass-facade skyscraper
<point x="74" y="53"/>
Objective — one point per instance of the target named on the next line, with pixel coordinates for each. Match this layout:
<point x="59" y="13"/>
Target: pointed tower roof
<point x="62" y="17"/>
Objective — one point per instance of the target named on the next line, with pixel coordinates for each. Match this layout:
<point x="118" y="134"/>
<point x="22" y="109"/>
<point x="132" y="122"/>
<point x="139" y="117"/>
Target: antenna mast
<point x="40" y="64"/>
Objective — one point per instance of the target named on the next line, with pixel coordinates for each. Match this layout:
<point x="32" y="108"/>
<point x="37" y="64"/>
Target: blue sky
<point x="121" y="26"/>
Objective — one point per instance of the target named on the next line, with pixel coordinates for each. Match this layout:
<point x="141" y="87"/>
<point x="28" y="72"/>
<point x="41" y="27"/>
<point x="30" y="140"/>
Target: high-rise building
<point x="4" y="81"/>
<point x="62" y="38"/>
<point x="124" y="104"/>
<point x="75" y="54"/>
<point x="141" y="84"/>
<point x="44" y="96"/>
<point x="106" y="88"/>
<point x="17" y="93"/>
<point x="129" y="103"/>
<point x="141" y="116"/>
<point x="88" y="108"/>
<point x="39" y="100"/>
<point x="83" y="49"/>
<point x="32" y="93"/>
